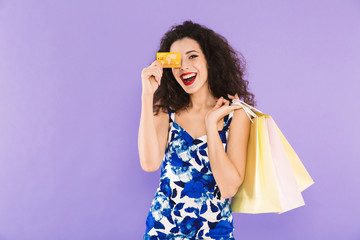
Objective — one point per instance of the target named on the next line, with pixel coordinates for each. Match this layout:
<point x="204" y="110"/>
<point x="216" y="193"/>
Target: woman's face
<point x="193" y="74"/>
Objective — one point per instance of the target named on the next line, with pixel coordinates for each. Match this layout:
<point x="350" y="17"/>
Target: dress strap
<point x="171" y="115"/>
<point x="227" y="120"/>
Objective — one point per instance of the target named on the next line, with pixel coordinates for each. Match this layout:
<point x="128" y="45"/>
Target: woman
<point x="185" y="128"/>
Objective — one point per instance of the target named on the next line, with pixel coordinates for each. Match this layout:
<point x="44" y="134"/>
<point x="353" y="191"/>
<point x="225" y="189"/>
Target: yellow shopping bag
<point x="274" y="175"/>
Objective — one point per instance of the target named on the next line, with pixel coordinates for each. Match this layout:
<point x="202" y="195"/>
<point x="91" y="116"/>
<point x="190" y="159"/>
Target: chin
<point x="190" y="90"/>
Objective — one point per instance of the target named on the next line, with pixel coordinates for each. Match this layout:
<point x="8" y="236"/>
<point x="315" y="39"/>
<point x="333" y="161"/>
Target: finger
<point x="158" y="72"/>
<point x="153" y="63"/>
<point x="222" y="100"/>
<point x="236" y="96"/>
<point x="218" y="103"/>
<point x="152" y="71"/>
<point x="227" y="102"/>
<point x="153" y="68"/>
<point x="230" y="96"/>
<point x="159" y="65"/>
<point x="156" y="63"/>
<point x="153" y="74"/>
<point x="232" y="108"/>
<point x="158" y="78"/>
<point x="227" y="109"/>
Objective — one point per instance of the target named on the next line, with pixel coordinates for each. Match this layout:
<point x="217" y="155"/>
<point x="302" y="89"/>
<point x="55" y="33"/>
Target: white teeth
<point x="189" y="76"/>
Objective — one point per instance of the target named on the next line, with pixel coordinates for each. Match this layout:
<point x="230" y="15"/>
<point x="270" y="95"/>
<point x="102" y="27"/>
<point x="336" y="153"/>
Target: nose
<point x="184" y="64"/>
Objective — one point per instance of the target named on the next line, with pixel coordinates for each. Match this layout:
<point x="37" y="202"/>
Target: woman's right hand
<point x="151" y="78"/>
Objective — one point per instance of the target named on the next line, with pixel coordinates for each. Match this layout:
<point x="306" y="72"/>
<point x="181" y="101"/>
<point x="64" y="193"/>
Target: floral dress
<point x="187" y="203"/>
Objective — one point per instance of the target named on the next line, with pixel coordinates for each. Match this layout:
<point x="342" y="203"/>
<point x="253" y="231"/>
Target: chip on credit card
<point x="169" y="59"/>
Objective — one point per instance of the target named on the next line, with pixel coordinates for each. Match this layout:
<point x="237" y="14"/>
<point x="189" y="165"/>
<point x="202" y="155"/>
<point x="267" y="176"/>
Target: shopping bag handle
<point x="246" y="107"/>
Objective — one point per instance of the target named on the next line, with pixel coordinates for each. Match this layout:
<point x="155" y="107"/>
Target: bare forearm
<point x="224" y="171"/>
<point x="148" y="144"/>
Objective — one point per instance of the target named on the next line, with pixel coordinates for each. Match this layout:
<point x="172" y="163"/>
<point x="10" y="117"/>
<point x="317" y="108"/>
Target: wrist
<point x="147" y="96"/>
<point x="147" y="101"/>
<point x="210" y="124"/>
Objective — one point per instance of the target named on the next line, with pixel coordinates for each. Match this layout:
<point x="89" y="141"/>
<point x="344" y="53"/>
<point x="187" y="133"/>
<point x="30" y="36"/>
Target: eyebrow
<point x="191" y="51"/>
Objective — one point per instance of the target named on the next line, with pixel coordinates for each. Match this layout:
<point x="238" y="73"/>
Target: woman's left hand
<point x="221" y="109"/>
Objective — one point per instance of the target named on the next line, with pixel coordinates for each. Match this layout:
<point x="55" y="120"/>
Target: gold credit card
<point x="169" y="59"/>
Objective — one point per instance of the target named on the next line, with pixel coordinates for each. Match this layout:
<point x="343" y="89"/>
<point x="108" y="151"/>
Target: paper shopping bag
<point x="274" y="175"/>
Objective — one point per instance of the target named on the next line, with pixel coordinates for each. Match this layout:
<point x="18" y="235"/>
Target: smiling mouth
<point x="188" y="78"/>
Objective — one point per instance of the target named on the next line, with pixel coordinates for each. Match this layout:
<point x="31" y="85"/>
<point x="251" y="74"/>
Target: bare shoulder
<point x="239" y="129"/>
<point x="240" y="121"/>
<point x="162" y="125"/>
<point x="238" y="138"/>
<point x="162" y="119"/>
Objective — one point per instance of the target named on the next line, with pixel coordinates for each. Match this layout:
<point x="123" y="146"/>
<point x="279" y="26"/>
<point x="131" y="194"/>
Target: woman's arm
<point x="153" y="130"/>
<point x="153" y="134"/>
<point x="229" y="167"/>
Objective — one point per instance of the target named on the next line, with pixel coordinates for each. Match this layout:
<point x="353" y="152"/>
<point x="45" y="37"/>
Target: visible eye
<point x="193" y="56"/>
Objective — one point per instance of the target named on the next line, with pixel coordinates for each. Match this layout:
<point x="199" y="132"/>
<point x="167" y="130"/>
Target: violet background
<point x="70" y="92"/>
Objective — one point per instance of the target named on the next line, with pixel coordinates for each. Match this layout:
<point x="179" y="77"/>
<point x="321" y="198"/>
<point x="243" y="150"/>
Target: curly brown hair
<point x="226" y="68"/>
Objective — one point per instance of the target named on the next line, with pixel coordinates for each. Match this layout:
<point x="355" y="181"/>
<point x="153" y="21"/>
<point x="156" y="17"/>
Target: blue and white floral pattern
<point x="188" y="204"/>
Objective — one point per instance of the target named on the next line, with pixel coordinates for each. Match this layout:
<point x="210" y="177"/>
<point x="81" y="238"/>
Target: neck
<point x="202" y="100"/>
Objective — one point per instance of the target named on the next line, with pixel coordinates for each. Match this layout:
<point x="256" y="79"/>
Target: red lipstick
<point x="188" y="80"/>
